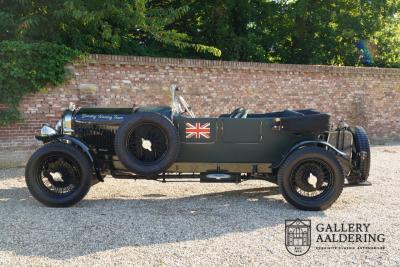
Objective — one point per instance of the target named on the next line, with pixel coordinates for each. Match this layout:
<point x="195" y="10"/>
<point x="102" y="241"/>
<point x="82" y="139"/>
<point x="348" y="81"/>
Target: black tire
<point x="328" y="171"/>
<point x="361" y="156"/>
<point x="71" y="162"/>
<point x="135" y="157"/>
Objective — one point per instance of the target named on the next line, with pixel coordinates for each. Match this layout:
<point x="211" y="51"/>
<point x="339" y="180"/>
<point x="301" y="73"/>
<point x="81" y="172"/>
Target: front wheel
<point x="311" y="179"/>
<point x="58" y="175"/>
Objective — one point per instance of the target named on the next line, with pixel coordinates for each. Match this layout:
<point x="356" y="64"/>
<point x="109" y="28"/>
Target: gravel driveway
<point x="190" y="224"/>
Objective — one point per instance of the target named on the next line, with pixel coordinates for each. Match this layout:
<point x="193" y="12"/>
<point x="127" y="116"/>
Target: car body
<point x="162" y="142"/>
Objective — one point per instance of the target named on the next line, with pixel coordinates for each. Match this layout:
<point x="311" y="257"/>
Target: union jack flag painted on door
<point x="197" y="130"/>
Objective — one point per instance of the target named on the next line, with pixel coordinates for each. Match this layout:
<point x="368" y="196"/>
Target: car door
<point x="198" y="139"/>
<point x="241" y="130"/>
<point x="219" y="140"/>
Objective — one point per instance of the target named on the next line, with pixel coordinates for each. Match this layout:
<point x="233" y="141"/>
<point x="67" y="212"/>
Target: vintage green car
<point x="297" y="149"/>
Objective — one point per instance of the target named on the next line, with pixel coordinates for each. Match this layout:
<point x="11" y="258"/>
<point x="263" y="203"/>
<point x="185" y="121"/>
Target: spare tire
<point x="147" y="143"/>
<point x="361" y="156"/>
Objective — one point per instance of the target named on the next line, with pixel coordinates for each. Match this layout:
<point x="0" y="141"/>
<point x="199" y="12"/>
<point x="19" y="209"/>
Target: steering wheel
<point x="186" y="107"/>
<point x="236" y="113"/>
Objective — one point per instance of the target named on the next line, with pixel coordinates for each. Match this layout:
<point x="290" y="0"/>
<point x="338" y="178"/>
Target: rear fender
<point x="340" y="154"/>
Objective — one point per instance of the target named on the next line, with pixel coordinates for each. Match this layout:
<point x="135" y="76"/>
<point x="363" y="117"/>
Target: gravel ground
<point x="148" y="223"/>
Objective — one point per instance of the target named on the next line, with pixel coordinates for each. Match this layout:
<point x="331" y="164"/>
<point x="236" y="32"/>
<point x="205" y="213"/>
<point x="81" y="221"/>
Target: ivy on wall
<point x="28" y="68"/>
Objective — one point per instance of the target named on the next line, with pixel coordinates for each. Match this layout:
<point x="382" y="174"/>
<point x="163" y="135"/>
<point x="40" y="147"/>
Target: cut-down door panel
<point x="241" y="130"/>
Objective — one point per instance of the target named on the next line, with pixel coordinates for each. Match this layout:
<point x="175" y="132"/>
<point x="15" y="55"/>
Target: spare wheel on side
<point x="361" y="156"/>
<point x="147" y="143"/>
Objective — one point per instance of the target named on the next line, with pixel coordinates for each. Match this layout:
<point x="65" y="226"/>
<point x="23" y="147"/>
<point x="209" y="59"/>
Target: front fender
<point x="67" y="139"/>
<point x="75" y="141"/>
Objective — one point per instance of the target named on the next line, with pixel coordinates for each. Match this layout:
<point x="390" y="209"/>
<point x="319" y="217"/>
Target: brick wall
<point x="366" y="96"/>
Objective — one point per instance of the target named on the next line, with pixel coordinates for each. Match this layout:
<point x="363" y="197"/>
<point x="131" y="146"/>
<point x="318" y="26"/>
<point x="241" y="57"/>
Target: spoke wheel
<point x="311" y="178"/>
<point x="361" y="156"/>
<point x="147" y="143"/>
<point x="59" y="174"/>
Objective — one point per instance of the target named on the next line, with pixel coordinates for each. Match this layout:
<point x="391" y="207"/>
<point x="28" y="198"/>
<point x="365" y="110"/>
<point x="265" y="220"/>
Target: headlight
<point x="47" y="131"/>
<point x="58" y="126"/>
<point x="67" y="122"/>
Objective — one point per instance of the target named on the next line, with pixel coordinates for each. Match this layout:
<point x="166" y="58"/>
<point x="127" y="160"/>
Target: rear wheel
<point x="311" y="179"/>
<point x="58" y="175"/>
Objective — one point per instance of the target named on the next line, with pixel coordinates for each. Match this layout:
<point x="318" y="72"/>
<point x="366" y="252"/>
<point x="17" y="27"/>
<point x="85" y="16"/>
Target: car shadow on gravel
<point x="95" y="225"/>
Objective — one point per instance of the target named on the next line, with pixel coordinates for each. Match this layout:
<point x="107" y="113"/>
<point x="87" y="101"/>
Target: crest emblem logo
<point x="298" y="236"/>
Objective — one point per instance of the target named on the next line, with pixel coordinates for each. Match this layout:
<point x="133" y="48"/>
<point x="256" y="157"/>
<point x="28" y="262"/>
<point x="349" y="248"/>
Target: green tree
<point x="386" y="41"/>
<point x="38" y="37"/>
<point x="96" y="26"/>
<point x="284" y="31"/>
<point x="326" y="32"/>
<point x="302" y="31"/>
<point x="27" y="68"/>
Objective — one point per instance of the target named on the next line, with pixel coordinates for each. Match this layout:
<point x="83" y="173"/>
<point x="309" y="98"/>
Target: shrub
<point x="27" y="68"/>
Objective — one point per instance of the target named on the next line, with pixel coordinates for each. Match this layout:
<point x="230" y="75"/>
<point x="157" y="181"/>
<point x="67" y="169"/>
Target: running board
<point x="203" y="177"/>
<point x="220" y="178"/>
<point x="365" y="183"/>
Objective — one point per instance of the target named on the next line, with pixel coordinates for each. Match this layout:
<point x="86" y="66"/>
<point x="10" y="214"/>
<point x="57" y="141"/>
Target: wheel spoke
<point x="59" y="175"/>
<point x="311" y="178"/>
<point x="151" y="133"/>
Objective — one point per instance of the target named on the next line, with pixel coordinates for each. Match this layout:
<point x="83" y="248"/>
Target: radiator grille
<point x="96" y="136"/>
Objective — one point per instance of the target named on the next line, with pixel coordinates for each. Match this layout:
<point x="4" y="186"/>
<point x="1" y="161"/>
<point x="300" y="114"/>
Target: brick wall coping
<point x="137" y="60"/>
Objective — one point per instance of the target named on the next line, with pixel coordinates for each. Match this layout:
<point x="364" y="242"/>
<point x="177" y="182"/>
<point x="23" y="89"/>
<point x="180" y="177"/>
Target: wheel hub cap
<point x="146" y="144"/>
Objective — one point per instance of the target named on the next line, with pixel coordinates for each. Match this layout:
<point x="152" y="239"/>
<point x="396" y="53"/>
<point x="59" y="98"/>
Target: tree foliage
<point x="338" y="32"/>
<point x="97" y="26"/>
<point x="27" y="68"/>
<point x="38" y="36"/>
<point x="302" y="31"/>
